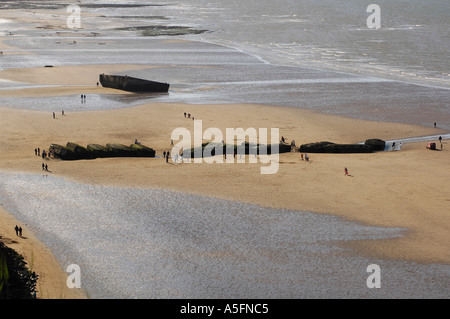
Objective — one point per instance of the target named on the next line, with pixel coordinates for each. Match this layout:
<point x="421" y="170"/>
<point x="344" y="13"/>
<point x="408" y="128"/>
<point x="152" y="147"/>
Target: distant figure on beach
<point x="346" y="171"/>
<point x="164" y="154"/>
<point x="434" y="124"/>
<point x="189" y="115"/>
<point x="307" y="157"/>
<point x="167" y="156"/>
<point x="440" y="139"/>
<point x="97" y="84"/>
<point x="46" y="168"/>
<point x="43" y="166"/>
<point x="62" y="113"/>
<point x="84" y="98"/>
<point x="17" y="230"/>
<point x="184" y="114"/>
<point x="35" y="151"/>
<point x="53" y="114"/>
<point x="302" y="156"/>
<point x="39" y="151"/>
<point x="20" y="231"/>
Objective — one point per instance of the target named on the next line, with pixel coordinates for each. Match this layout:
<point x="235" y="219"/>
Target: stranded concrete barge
<point x="127" y="83"/>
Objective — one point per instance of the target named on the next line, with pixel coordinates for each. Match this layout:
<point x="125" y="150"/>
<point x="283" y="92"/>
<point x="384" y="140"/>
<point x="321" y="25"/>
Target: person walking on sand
<point x="164" y="154"/>
<point x="17" y="230"/>
<point x="346" y="171"/>
<point x="46" y="167"/>
<point x="302" y="156"/>
<point x="167" y="156"/>
<point x="39" y="151"/>
<point x="20" y="231"/>
<point x="43" y="166"/>
<point x="307" y="157"/>
<point x="53" y="115"/>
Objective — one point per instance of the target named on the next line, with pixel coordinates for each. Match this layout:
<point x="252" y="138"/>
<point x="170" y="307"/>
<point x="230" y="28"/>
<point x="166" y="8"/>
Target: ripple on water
<point x="133" y="243"/>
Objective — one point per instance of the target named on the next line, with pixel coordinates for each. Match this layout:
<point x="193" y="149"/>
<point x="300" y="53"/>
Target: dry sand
<point x="407" y="189"/>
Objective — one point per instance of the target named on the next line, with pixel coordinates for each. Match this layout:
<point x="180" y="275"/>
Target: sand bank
<point x="66" y="75"/>
<point x="384" y="189"/>
<point x="51" y="283"/>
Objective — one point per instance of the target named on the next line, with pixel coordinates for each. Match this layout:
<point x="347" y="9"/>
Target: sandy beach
<point x="403" y="189"/>
<point x="381" y="190"/>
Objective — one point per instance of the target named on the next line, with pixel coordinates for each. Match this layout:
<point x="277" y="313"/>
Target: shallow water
<point x="133" y="243"/>
<point x="320" y="56"/>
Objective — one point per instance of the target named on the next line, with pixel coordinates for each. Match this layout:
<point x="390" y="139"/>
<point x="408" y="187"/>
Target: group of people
<point x="283" y="140"/>
<point x="18" y="230"/>
<point x="83" y="98"/>
<point x="175" y="157"/>
<point x="166" y="156"/>
<point x="44" y="155"/>
<point x="62" y="113"/>
<point x="188" y="115"/>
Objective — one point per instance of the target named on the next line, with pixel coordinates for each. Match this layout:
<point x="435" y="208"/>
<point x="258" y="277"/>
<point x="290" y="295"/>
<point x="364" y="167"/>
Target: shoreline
<point x="392" y="189"/>
<point x="51" y="283"/>
<point x="134" y="172"/>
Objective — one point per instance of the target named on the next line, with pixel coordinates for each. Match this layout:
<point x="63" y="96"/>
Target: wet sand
<point x="406" y="189"/>
<point x="381" y="191"/>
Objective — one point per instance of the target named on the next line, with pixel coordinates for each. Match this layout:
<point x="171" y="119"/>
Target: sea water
<point x="320" y="56"/>
<point x="132" y="243"/>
